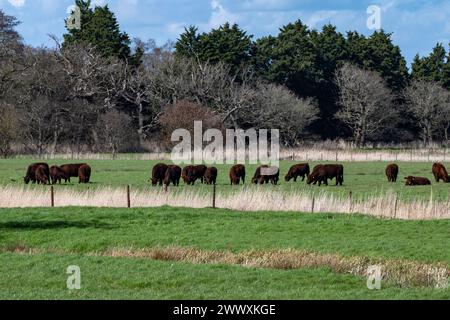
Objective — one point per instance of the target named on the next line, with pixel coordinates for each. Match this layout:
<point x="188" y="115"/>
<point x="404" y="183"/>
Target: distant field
<point x="37" y="245"/>
<point x="362" y="178"/>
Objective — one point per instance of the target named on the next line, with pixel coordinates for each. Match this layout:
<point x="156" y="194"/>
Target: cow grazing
<point x="392" y="172"/>
<point x="440" y="173"/>
<point x="159" y="174"/>
<point x="417" y="181"/>
<point x="298" y="170"/>
<point x="57" y="175"/>
<point x="173" y="175"/>
<point x="265" y="174"/>
<point x="31" y="172"/>
<point x="84" y="174"/>
<point x="322" y="173"/>
<point x="237" y="173"/>
<point x="186" y="174"/>
<point x="211" y="175"/>
<point x="41" y="175"/>
<point x="196" y="173"/>
<point x="71" y="170"/>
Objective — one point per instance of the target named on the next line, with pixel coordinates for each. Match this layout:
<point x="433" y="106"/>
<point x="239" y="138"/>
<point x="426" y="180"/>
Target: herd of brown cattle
<point x="438" y="170"/>
<point x="41" y="173"/>
<point x="164" y="174"/>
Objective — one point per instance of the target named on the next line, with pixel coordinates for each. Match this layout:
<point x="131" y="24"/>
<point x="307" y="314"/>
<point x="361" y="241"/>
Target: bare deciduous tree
<point x="429" y="103"/>
<point x="366" y="101"/>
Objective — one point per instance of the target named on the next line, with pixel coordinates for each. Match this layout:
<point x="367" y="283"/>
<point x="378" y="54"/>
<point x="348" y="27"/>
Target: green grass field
<point x="69" y="236"/>
<point x="61" y="237"/>
<point x="362" y="178"/>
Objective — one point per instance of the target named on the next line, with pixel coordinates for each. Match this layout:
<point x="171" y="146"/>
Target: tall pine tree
<point x="99" y="28"/>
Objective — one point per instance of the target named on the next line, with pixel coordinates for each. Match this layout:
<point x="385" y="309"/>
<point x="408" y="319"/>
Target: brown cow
<point x="417" y="181"/>
<point x="298" y="170"/>
<point x="84" y="174"/>
<point x="57" y="175"/>
<point x="265" y="174"/>
<point x="173" y="175"/>
<point x="31" y="172"/>
<point x="186" y="173"/>
<point x="71" y="170"/>
<point x="41" y="175"/>
<point x="197" y="172"/>
<point x="159" y="174"/>
<point x="392" y="172"/>
<point x="211" y="175"/>
<point x="440" y="172"/>
<point x="322" y="173"/>
<point x="237" y="173"/>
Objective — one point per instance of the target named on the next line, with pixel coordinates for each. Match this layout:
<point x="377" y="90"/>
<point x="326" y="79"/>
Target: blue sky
<point x="416" y="25"/>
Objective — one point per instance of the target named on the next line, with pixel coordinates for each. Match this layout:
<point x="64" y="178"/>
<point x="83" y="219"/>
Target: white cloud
<point x="220" y="15"/>
<point x="17" y="3"/>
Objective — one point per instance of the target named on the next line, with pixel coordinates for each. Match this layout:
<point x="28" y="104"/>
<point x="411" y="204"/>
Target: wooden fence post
<point x="337" y="156"/>
<point x="395" y="206"/>
<point x="214" y="196"/>
<point x="312" y="204"/>
<point x="52" y="196"/>
<point x="128" y="197"/>
<point x="351" y="201"/>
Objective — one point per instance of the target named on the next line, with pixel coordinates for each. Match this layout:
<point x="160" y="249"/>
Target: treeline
<point x="99" y="91"/>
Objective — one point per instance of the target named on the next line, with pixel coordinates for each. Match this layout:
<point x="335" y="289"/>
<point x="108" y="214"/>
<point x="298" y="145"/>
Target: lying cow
<point x="84" y="174"/>
<point x="265" y="174"/>
<point x="159" y="174"/>
<point x="392" y="172"/>
<point x="417" y="181"/>
<point x="322" y="173"/>
<point x="298" y="170"/>
<point x="57" y="175"/>
<point x="173" y="175"/>
<point x="440" y="173"/>
<point x="30" y="176"/>
<point x="237" y="173"/>
<point x="211" y="175"/>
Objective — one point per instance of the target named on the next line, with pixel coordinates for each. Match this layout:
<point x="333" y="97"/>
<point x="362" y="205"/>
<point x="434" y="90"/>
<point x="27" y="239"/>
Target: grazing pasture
<point x="363" y="179"/>
<point x="178" y="253"/>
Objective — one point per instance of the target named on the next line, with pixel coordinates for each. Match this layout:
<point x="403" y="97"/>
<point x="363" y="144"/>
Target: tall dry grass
<point x="336" y="151"/>
<point x="403" y="273"/>
<point x="243" y="199"/>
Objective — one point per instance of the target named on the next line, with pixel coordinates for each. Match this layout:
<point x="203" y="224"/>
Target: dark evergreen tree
<point x="99" y="28"/>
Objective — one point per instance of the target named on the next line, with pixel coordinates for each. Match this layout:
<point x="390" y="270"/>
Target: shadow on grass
<point x="46" y="225"/>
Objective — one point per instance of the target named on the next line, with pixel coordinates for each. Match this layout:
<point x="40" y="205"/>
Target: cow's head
<point x="288" y="177"/>
<point x="26" y="179"/>
<point x="154" y="182"/>
<point x="311" y="178"/>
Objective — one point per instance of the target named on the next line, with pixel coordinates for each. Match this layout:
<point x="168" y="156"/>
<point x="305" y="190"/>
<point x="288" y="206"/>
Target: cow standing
<point x="57" y="175"/>
<point x="173" y="175"/>
<point x="298" y="170"/>
<point x="30" y="176"/>
<point x="84" y="174"/>
<point x="440" y="173"/>
<point x="196" y="173"/>
<point x="71" y="170"/>
<point x="42" y="175"/>
<point x="159" y="174"/>
<point x="392" y="172"/>
<point x="237" y="173"/>
<point x="265" y="174"/>
<point x="211" y="175"/>
<point x="322" y="173"/>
